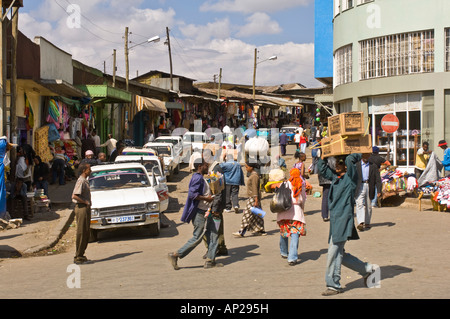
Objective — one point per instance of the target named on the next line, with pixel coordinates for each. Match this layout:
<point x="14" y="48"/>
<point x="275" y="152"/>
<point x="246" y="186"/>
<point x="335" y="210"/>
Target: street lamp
<point x="127" y="49"/>
<point x="272" y="58"/>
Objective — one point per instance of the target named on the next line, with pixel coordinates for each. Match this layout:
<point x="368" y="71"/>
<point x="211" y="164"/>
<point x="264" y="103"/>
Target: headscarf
<point x="296" y="181"/>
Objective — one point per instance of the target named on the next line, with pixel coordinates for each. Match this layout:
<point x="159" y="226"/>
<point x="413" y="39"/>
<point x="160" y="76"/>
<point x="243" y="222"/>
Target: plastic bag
<point x="282" y="200"/>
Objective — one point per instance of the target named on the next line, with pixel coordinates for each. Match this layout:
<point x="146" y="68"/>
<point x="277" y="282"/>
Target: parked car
<point x="139" y="151"/>
<point x="123" y="195"/>
<point x="265" y="133"/>
<point x="170" y="157"/>
<point x="177" y="142"/>
<point x="290" y="131"/>
<point x="155" y="169"/>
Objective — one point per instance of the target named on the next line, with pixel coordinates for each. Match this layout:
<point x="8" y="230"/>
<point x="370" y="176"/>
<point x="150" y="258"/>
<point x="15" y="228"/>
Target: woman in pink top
<point x="292" y="222"/>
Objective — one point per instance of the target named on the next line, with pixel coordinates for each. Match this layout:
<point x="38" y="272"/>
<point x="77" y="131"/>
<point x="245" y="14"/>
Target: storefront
<point x="401" y="147"/>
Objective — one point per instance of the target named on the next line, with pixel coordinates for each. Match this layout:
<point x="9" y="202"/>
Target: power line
<point x="95" y="23"/>
<point x="97" y="36"/>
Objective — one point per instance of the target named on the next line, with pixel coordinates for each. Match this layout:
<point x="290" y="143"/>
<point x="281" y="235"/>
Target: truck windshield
<point x="162" y="150"/>
<point x="118" y="178"/>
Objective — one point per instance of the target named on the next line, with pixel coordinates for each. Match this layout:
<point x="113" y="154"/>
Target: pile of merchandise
<point x="439" y="192"/>
<point x="396" y="182"/>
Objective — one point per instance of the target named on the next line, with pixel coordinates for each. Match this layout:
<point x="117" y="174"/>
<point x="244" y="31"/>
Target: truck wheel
<point x="154" y="229"/>
<point x="93" y="235"/>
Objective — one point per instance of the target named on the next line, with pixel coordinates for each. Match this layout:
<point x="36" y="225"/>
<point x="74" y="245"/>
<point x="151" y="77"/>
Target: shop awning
<point x="106" y="94"/>
<point x="146" y="103"/>
<point x="62" y="88"/>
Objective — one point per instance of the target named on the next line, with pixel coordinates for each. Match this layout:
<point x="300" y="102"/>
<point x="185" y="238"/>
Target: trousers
<point x="83" y="218"/>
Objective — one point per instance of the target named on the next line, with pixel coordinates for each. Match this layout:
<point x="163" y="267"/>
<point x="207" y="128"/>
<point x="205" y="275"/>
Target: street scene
<point x="330" y="185"/>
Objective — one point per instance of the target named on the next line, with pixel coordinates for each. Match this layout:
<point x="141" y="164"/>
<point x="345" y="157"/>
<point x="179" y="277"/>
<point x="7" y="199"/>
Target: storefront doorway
<point x="401" y="147"/>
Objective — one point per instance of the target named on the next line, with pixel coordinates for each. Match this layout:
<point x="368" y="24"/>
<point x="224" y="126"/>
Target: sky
<point x="205" y="36"/>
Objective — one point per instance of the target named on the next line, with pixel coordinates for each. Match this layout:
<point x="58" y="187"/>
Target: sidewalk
<point x="44" y="229"/>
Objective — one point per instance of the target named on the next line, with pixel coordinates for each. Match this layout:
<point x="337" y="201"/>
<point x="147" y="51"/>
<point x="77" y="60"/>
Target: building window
<point x="347" y="4"/>
<point x="397" y="54"/>
<point x="337" y="7"/>
<point x="343" y="65"/>
<point x="447" y="49"/>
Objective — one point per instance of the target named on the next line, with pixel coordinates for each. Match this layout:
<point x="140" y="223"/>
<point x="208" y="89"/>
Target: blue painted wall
<point x="323" y="39"/>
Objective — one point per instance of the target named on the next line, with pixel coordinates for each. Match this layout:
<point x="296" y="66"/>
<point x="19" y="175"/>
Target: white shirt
<point x="204" y="205"/>
<point x="297" y="138"/>
<point x="21" y="168"/>
<point x="96" y="140"/>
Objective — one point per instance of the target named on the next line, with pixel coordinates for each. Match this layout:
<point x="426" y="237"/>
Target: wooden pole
<point x="127" y="66"/>
<point x="220" y="81"/>
<point x="114" y="68"/>
<point x="170" y="58"/>
<point x="254" y="72"/>
<point x="3" y="71"/>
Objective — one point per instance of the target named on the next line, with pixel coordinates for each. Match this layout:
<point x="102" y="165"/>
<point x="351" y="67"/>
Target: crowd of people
<point x="32" y="174"/>
<point x="346" y="182"/>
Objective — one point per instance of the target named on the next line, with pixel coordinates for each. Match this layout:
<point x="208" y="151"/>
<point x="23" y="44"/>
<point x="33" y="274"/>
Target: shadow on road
<point x="311" y="255"/>
<point x="117" y="256"/>
<point x="386" y="272"/>
<point x="238" y="254"/>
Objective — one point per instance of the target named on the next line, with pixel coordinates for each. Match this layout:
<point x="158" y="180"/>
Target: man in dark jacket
<point x="342" y="228"/>
<point x="283" y="141"/>
<point x="368" y="184"/>
<point x="195" y="210"/>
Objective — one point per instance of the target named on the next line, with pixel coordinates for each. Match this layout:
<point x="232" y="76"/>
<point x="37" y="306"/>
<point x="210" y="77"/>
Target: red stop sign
<point x="390" y="123"/>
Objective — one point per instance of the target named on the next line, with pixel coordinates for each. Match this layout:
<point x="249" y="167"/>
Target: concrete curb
<point x="55" y="236"/>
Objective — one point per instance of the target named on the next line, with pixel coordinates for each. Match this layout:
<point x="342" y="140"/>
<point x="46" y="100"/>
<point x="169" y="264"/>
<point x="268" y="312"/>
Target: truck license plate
<point x="122" y="219"/>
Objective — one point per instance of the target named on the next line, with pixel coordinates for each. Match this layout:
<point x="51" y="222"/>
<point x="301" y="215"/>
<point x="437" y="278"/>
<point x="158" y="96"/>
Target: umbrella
<point x="251" y="132"/>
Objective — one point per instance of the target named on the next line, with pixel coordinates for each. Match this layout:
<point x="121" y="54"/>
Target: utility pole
<point x="114" y="68"/>
<point x="127" y="66"/>
<point x="170" y="58"/>
<point x="220" y="81"/>
<point x="254" y="72"/>
<point x="3" y="70"/>
<point x="13" y="83"/>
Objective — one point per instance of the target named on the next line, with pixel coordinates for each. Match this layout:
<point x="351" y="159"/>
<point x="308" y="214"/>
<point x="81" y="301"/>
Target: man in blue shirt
<point x="369" y="184"/>
<point x="446" y="162"/>
<point x="234" y="177"/>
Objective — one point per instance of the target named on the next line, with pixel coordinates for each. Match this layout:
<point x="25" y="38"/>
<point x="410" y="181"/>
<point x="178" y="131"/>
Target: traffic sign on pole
<point x="390" y="123"/>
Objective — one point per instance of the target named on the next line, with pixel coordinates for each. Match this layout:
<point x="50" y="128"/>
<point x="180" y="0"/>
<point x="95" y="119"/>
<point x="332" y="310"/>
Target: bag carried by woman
<point x="282" y="200"/>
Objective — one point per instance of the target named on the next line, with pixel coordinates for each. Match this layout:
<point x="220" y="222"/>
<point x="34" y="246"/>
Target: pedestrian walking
<point x="300" y="164"/>
<point x="316" y="153"/>
<point x="303" y="142"/>
<point x="217" y="208"/>
<point x="297" y="140"/>
<point x="234" y="178"/>
<point x="81" y="196"/>
<point x="110" y="145"/>
<point x="251" y="221"/>
<point x="326" y="185"/>
<point x="292" y="222"/>
<point x="342" y="227"/>
<point x="197" y="205"/>
<point x="58" y="166"/>
<point x="378" y="160"/>
<point x="369" y="182"/>
<point x="283" y="142"/>
<point x="97" y="142"/>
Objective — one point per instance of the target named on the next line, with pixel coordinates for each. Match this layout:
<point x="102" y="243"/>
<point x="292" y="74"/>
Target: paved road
<point x="411" y="248"/>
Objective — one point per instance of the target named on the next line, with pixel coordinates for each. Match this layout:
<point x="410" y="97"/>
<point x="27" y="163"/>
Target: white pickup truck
<point x="171" y="159"/>
<point x="124" y="195"/>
